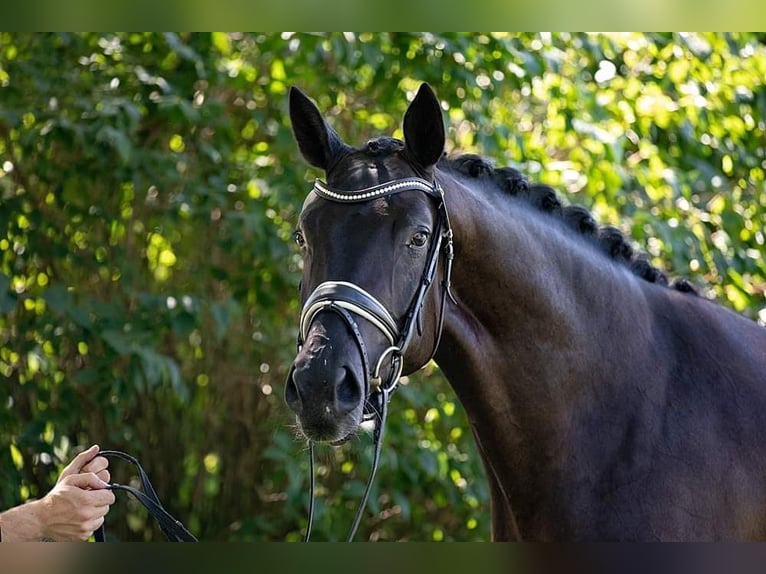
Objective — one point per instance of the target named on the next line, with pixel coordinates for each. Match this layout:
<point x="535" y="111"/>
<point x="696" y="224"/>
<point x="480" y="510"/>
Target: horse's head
<point x="369" y="251"/>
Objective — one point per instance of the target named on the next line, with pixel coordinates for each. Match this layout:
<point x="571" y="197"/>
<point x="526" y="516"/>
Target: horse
<point x="607" y="402"/>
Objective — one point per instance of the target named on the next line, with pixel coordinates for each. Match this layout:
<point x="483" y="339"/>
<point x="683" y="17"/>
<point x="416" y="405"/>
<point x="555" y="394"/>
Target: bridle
<point x="350" y="301"/>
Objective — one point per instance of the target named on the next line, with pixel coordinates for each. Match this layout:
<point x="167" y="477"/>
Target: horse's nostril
<point x="292" y="396"/>
<point x="332" y="392"/>
<point x="348" y="393"/>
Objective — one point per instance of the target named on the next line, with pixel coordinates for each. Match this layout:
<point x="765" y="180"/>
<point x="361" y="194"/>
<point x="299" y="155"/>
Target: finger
<point x="86" y="480"/>
<point x="79" y="461"/>
<point x="96" y="465"/>
<point x="98" y="512"/>
<point x="104" y="475"/>
<point x="87" y="529"/>
<point x="93" y="525"/>
<point x="89" y="498"/>
<point x="100" y="497"/>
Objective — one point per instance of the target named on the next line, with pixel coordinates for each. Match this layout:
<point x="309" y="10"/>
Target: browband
<point x="376" y="191"/>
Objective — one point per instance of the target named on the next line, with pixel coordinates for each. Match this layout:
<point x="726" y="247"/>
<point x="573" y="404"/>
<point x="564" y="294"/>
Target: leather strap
<point x="173" y="530"/>
<point x="353" y="298"/>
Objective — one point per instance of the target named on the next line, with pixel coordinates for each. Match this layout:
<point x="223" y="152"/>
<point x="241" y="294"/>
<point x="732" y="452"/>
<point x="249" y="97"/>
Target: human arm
<point x="72" y="510"/>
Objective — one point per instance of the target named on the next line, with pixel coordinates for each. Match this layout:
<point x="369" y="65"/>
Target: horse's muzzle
<point x="325" y="387"/>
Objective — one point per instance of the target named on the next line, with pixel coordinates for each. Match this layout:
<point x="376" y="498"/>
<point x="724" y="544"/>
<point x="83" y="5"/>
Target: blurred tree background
<point x="149" y="186"/>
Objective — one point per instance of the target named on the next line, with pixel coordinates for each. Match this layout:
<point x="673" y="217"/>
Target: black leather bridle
<point x="350" y="301"/>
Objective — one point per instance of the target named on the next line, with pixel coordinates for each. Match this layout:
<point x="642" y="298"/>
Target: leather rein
<point x="350" y="301"/>
<point x="172" y="528"/>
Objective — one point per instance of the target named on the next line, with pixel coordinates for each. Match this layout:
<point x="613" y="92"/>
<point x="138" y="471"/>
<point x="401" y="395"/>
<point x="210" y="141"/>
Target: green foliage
<point x="149" y="185"/>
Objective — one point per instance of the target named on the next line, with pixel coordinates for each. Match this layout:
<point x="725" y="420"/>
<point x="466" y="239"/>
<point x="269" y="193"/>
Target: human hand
<point x="87" y="461"/>
<point x="78" y="503"/>
<point x="71" y="511"/>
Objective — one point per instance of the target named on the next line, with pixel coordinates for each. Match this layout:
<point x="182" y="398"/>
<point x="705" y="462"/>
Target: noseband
<point x="350" y="301"/>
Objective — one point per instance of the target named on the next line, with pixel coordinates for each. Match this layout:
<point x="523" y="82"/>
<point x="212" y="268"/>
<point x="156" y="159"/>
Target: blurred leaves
<point x="149" y="186"/>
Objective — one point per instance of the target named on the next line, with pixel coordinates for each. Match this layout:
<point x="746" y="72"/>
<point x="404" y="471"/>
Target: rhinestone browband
<point x="376" y="191"/>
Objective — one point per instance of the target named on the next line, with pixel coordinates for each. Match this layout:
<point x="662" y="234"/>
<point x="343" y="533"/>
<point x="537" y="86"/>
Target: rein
<point x="173" y="530"/>
<point x="349" y="300"/>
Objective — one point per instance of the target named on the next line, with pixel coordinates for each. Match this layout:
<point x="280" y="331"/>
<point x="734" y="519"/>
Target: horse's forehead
<point x="363" y="169"/>
<point x="403" y="207"/>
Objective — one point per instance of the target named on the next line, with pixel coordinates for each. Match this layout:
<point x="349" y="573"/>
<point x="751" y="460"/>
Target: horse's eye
<point x="419" y="239"/>
<point x="299" y="239"/>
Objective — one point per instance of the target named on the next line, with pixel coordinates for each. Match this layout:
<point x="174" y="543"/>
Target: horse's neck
<point x="530" y="294"/>
<point x="538" y="312"/>
<point x="530" y="289"/>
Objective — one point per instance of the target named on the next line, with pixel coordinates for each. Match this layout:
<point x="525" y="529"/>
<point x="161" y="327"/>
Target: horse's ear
<point x="318" y="142"/>
<point x="424" y="128"/>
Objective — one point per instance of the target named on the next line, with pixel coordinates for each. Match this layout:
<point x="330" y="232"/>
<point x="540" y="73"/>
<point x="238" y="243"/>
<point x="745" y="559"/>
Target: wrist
<point x="36" y="521"/>
<point x="22" y="523"/>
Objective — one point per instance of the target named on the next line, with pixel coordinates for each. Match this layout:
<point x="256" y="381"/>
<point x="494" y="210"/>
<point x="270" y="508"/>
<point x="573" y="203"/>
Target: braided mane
<point x="610" y="240"/>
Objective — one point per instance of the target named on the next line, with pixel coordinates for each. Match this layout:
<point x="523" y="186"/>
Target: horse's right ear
<point x="318" y="142"/>
<point x="424" y="128"/>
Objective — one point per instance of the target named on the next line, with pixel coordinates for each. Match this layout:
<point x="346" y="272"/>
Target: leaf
<point x="183" y="323"/>
<point x="87" y="376"/>
<point x="118" y="140"/>
<point x="7" y="297"/>
<point x="58" y="298"/>
<point x="223" y="313"/>
<point x="118" y="341"/>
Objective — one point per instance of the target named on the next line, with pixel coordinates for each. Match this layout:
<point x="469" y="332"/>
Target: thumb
<point x="79" y="461"/>
<point x="87" y="480"/>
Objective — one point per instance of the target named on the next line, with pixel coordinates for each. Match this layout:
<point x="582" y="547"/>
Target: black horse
<point x="606" y="402"/>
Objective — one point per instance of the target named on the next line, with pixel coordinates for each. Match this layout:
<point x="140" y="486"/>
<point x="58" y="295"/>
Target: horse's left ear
<point x="318" y="142"/>
<point x="424" y="128"/>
